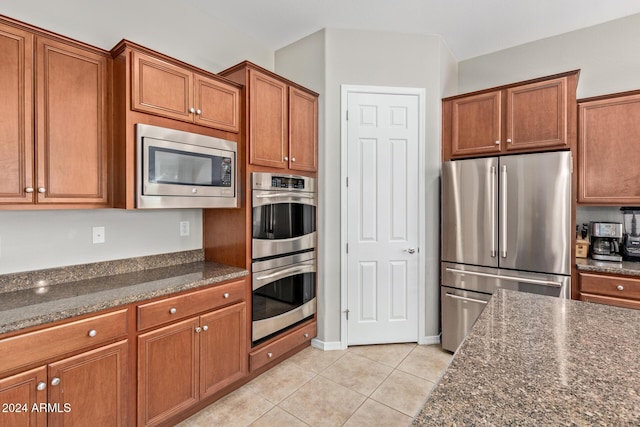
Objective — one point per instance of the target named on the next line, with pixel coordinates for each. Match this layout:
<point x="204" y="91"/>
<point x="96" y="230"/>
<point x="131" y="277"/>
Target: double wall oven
<point x="283" y="252"/>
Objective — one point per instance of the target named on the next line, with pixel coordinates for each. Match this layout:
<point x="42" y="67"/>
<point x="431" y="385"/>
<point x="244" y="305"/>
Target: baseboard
<point x="326" y="346"/>
<point x="429" y="340"/>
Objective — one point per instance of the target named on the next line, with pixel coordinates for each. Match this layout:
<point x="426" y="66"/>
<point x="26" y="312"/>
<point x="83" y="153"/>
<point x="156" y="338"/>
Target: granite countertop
<point x="44" y="303"/>
<point x="534" y="360"/>
<point x="627" y="268"/>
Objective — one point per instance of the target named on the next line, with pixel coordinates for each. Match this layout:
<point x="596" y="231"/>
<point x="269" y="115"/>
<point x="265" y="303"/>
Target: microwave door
<point x="470" y="211"/>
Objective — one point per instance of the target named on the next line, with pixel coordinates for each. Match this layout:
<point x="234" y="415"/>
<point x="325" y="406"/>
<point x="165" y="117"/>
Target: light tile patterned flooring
<point x="377" y="385"/>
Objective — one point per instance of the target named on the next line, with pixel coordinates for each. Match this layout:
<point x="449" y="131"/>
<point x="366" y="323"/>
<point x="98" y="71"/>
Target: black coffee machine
<point x="605" y="238"/>
<point x="631" y="238"/>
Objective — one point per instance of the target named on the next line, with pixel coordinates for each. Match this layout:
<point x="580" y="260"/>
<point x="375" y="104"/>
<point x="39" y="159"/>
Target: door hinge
<point x="347" y="247"/>
<point x="347" y="181"/>
<point x="347" y="313"/>
<point x="347" y="115"/>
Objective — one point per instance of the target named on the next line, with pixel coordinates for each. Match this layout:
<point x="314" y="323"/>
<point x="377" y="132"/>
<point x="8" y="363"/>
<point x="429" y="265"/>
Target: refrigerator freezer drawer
<point x="460" y="310"/>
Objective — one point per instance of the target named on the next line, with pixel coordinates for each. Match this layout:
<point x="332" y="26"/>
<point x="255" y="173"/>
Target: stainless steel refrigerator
<point x="506" y="223"/>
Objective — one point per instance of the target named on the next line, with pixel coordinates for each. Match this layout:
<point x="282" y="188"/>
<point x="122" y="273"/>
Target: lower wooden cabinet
<point x="621" y="291"/>
<point x="186" y="361"/>
<point x="83" y="390"/>
<point x="282" y="345"/>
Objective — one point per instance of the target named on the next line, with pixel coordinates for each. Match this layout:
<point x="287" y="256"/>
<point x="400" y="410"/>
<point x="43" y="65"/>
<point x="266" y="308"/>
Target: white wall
<point x="378" y="59"/>
<point x="34" y="240"/>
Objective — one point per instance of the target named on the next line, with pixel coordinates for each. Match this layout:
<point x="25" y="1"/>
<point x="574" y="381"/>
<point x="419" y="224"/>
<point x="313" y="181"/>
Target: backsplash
<point x="584" y="214"/>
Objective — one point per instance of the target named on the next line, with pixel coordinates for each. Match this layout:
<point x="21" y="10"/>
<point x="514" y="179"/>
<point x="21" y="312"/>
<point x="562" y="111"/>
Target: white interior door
<point x="382" y="218"/>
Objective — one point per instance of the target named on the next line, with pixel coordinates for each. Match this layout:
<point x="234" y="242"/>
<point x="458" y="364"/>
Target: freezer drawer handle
<point x="511" y="278"/>
<point x="479" y="301"/>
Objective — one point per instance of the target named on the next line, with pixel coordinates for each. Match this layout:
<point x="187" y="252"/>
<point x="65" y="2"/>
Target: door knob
<point x="411" y="250"/>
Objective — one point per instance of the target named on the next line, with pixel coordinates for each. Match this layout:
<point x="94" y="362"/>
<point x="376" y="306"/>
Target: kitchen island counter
<point x="533" y="360"/>
<point x="46" y="302"/>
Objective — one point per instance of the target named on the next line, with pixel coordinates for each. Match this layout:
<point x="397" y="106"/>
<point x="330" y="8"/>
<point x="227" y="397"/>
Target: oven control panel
<point x="287" y="182"/>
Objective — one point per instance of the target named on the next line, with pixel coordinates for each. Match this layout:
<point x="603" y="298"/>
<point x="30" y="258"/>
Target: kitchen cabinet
<point x="61" y="156"/>
<point x="621" y="291"/>
<point x="67" y="389"/>
<point x="530" y="116"/>
<point x="282" y="119"/>
<point x="609" y="150"/>
<point x="274" y="350"/>
<point x="193" y="358"/>
<point x="166" y="89"/>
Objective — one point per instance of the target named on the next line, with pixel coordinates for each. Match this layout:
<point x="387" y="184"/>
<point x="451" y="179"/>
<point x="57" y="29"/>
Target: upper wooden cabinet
<point x="166" y="89"/>
<point x="529" y="116"/>
<point x="64" y="158"/>
<point x="609" y="149"/>
<point x="282" y="119"/>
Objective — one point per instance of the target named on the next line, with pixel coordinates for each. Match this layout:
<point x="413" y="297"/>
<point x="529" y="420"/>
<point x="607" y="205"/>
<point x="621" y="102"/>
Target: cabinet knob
<point x="497" y="142"/>
<point x="55" y="381"/>
<point x="173" y="310"/>
<point x="620" y="288"/>
<point x="293" y="159"/>
<point x="41" y="386"/>
<point x="28" y="190"/>
<point x="205" y="328"/>
<point x="93" y="333"/>
<point x="306" y="335"/>
<point x="198" y="111"/>
<point x="269" y="355"/>
<point x="198" y="329"/>
<point x="226" y="295"/>
<point x="286" y="159"/>
<point x="508" y="140"/>
<point x="42" y="190"/>
<point x="192" y="110"/>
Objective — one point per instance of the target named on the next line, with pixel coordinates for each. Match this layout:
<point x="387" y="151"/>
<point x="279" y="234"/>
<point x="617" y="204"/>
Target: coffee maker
<point x="631" y="240"/>
<point x="605" y="241"/>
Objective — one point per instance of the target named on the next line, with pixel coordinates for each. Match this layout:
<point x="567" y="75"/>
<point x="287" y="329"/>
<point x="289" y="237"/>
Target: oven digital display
<point x="287" y="182"/>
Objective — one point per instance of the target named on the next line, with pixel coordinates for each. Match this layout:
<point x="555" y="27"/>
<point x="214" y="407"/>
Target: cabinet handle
<point x="306" y="335"/>
<point x="192" y="110"/>
<point x="198" y="111"/>
<point x="55" y="381"/>
<point x="508" y="140"/>
<point x="41" y="386"/>
<point x="93" y="333"/>
<point x="620" y="288"/>
<point x="269" y="355"/>
<point x="226" y="295"/>
<point x="198" y="329"/>
<point x="205" y="328"/>
<point x="497" y="142"/>
<point x="42" y="190"/>
<point x="173" y="310"/>
<point x="293" y="159"/>
<point x="286" y="159"/>
<point x="28" y="190"/>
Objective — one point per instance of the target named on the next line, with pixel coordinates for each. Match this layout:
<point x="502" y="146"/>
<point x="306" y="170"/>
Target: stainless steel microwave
<point x="176" y="169"/>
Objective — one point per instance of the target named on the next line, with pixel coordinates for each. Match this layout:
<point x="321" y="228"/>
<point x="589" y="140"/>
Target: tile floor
<point x="377" y="385"/>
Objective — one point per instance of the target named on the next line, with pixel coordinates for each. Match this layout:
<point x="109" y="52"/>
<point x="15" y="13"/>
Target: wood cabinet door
<point x="16" y="113"/>
<point x="303" y="131"/>
<point x="161" y="88"/>
<point x="609" y="151"/>
<point x="536" y="115"/>
<point x="217" y="104"/>
<point x="92" y="388"/>
<point x="223" y="348"/>
<point x="167" y="371"/>
<point x="476" y="124"/>
<point x="18" y="395"/>
<point x="72" y="121"/>
<point x="267" y="121"/>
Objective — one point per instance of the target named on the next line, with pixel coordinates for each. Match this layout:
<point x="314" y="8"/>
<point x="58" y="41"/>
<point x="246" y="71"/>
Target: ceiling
<point x="469" y="27"/>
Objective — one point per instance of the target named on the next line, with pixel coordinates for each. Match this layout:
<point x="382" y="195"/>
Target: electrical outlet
<point x="184" y="228"/>
<point x="98" y="234"/>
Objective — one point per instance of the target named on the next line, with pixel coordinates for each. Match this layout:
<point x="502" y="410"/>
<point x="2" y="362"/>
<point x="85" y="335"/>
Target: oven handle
<point x="292" y="195"/>
<point x="281" y="273"/>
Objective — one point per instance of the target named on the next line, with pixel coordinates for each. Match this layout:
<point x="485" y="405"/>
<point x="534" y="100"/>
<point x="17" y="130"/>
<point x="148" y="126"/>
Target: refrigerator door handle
<point x="510" y="278"/>
<point x="503" y="212"/>
<point x="492" y="200"/>
<point x="478" y="301"/>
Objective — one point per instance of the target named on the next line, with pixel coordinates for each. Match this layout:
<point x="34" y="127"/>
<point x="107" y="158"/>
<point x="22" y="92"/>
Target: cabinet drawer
<point x="181" y="306"/>
<point x="618" y="302"/>
<point x="614" y="286"/>
<point x="33" y="347"/>
<point x="271" y="352"/>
